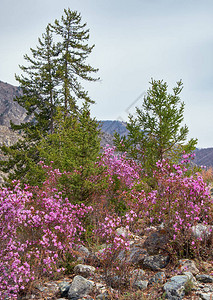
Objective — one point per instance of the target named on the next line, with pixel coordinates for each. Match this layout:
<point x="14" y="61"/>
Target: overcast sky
<point x="135" y="41"/>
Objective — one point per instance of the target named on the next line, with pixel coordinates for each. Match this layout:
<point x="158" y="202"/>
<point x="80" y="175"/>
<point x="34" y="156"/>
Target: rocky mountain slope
<point x="204" y="157"/>
<point x="9" y="109"/>
<point x="111" y="127"/>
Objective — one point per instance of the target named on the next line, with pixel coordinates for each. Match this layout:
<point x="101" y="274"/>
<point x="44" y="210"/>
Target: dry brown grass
<point x="207" y="175"/>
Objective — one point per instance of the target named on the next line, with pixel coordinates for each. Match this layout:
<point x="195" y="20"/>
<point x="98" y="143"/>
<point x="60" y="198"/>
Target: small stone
<point x="64" y="288"/>
<point x="135" y="255"/>
<point x="83" y="250"/>
<point x="175" y="287"/>
<point x="201" y="286"/>
<point x="158" y="278"/>
<point x="187" y="265"/>
<point x="79" y="288"/>
<point x="202" y="231"/>
<point x="103" y="296"/>
<point x="206" y="296"/>
<point x="122" y="231"/>
<point x="81" y="253"/>
<point x="140" y="284"/>
<point x="204" y="278"/>
<point x="206" y="289"/>
<point x="84" y="270"/>
<point x="155" y="262"/>
<point x="137" y="274"/>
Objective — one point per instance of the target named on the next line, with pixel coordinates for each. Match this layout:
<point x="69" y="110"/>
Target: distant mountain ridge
<point x="10" y="110"/>
<point x="109" y="126"/>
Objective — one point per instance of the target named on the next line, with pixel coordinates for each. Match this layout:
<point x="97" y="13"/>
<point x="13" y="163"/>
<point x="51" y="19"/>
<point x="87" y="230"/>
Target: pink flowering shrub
<point x="126" y="170"/>
<point x="120" y="175"/>
<point x="39" y="226"/>
<point x="114" y="233"/>
<point x="179" y="203"/>
<point x="117" y="176"/>
<point x="180" y="200"/>
<point x="35" y="232"/>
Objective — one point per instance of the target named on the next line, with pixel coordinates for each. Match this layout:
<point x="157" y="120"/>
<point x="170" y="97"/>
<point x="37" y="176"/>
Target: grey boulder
<point x="155" y="262"/>
<point x="204" y="278"/>
<point x="175" y="287"/>
<point x="79" y="288"/>
<point x="156" y="241"/>
<point x="187" y="265"/>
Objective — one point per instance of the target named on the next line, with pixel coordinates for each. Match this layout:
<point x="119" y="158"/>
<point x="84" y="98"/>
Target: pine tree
<point x="73" y="147"/>
<point x="39" y="87"/>
<point x="50" y="81"/>
<point x="73" y="50"/>
<point x="75" y="141"/>
<point x="156" y="132"/>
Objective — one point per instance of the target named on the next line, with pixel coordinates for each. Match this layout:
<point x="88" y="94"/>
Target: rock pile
<point x="151" y="272"/>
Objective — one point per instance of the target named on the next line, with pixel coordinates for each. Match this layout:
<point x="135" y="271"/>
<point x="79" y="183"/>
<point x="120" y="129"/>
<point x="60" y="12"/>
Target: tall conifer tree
<point x="74" y="147"/>
<point x="39" y="86"/>
<point x="50" y="80"/>
<point x="156" y="131"/>
<point x="73" y="51"/>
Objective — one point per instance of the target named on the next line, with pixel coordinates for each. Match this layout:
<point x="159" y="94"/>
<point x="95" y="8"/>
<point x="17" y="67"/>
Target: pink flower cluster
<point x="35" y="230"/>
<point x="115" y="242"/>
<point x="126" y="170"/>
<point x="180" y="201"/>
